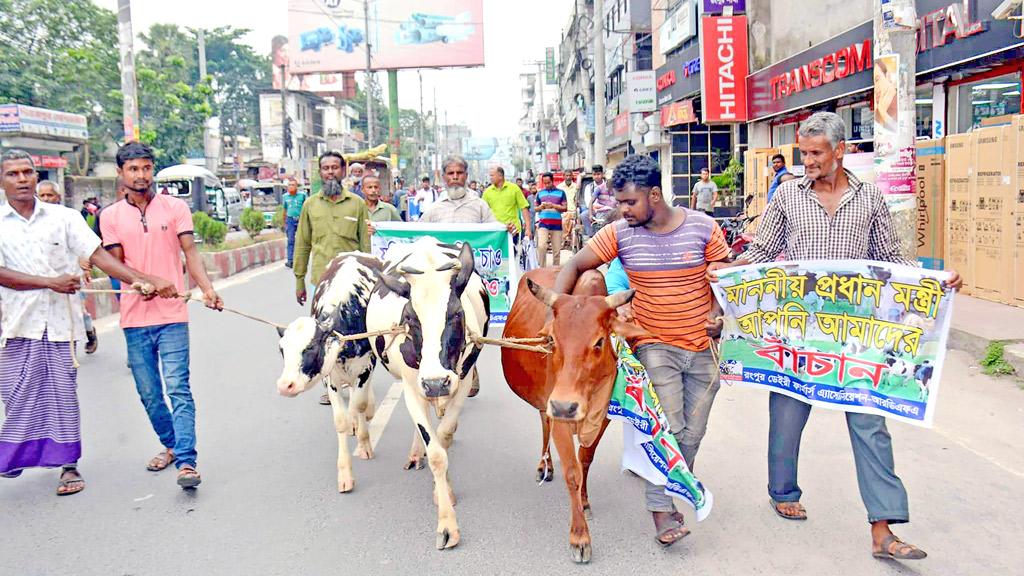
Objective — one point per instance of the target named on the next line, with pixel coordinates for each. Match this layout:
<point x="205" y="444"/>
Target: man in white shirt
<point x="425" y="197"/>
<point x="458" y="205"/>
<point x="40" y="248"/>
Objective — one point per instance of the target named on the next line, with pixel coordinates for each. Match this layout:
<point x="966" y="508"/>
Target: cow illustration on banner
<point x="851" y="335"/>
<point x="492" y="250"/>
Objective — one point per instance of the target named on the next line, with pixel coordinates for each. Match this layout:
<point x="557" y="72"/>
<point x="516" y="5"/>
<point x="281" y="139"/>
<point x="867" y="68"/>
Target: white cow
<point x="311" y="351"/>
<point x="431" y="289"/>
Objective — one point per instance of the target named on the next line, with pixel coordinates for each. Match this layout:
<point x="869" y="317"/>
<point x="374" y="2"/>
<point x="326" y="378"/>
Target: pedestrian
<point x="293" y="202"/>
<point x="458" y="205"/>
<point x="665" y="252"/>
<point x="602" y="201"/>
<point x="568" y="185"/>
<point x="531" y="199"/>
<point x="779" y="166"/>
<point x="474" y="187"/>
<point x="705" y="194"/>
<point x="425" y="197"/>
<point x="379" y="210"/>
<point x="354" y="182"/>
<point x="150" y="232"/>
<point x="829" y="214"/>
<point x="89" y="207"/>
<point x="40" y="248"/>
<point x="508" y="204"/>
<point x="115" y="284"/>
<point x="551" y="203"/>
<point x="47" y="192"/>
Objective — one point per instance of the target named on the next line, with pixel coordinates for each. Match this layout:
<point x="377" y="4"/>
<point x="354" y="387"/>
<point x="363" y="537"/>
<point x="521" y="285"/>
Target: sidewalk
<point x="977" y="323"/>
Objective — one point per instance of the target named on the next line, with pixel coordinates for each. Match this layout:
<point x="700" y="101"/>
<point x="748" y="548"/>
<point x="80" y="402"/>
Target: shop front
<point x="690" y="144"/>
<point x="44" y="134"/>
<point x="969" y="69"/>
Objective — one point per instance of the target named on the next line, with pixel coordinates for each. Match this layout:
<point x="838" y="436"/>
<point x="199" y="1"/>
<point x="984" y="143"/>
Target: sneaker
<point x="287" y="264"/>
<point x="91" y="342"/>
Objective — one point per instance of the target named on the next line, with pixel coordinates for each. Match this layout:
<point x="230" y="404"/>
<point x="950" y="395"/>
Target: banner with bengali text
<point x="492" y="250"/>
<point x="850" y="335"/>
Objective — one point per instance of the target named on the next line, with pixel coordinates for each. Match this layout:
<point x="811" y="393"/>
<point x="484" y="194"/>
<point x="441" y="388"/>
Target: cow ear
<point x="465" y="269"/>
<point x="631" y="332"/>
<point x="280" y="331"/>
<point x="395" y="284"/>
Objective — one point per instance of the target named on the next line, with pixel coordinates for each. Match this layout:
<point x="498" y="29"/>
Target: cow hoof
<point x="365" y="452"/>
<point x="447" y="539"/>
<point x="545" y="473"/>
<point x="346" y="485"/>
<point x="415" y="463"/>
<point x="580" y="553"/>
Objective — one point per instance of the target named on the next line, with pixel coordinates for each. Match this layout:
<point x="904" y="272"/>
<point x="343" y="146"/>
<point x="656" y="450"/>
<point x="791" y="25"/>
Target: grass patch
<point x="994" y="364"/>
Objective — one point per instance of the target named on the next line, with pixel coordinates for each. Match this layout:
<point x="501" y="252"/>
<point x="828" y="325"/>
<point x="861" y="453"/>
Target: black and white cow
<point x="311" y="351"/>
<point x="431" y="289"/>
<point x="901" y="368"/>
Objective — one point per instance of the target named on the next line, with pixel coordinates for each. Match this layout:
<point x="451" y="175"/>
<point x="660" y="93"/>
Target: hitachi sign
<point x="844" y="62"/>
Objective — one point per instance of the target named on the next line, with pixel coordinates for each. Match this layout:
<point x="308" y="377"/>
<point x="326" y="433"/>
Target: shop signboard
<point x="678" y="113"/>
<point x="949" y="33"/>
<point x="621" y="125"/>
<point x="32" y="121"/>
<point x="332" y="36"/>
<point x="680" y="25"/>
<point x="719" y="6"/>
<point x="679" y="77"/>
<point x="724" y="67"/>
<point x="641" y="93"/>
<point x="550" y="70"/>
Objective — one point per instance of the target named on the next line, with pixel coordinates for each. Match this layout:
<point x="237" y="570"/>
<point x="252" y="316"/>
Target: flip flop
<point x="72" y="485"/>
<point x="903" y="552"/>
<point x="667" y="529"/>
<point x="188" y="477"/>
<point x="161" y="461"/>
<point x="775" y="506"/>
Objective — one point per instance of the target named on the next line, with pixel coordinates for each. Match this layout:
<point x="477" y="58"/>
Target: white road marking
<point x="383" y="415"/>
<point x="144" y="498"/>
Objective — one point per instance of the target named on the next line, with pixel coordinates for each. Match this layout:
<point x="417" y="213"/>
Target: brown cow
<point x="571" y="386"/>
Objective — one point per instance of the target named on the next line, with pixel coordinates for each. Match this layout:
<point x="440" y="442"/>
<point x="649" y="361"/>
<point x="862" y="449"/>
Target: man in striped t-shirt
<point x="551" y="204"/>
<point x="665" y="252"/>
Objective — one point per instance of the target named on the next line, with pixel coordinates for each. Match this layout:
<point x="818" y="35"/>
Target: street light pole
<point x="369" y="77"/>
<point x="128" y="87"/>
<point x="599" y="80"/>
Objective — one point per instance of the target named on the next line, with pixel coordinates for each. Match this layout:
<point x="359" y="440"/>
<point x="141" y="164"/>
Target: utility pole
<point x="208" y="149"/>
<point x="600" y="153"/>
<point x="284" y="115"/>
<point x="369" y="77"/>
<point x="394" y="130"/>
<point x="435" y="162"/>
<point x="422" y="147"/>
<point x="128" y="88"/>
<point x="238" y="159"/>
<point x="895" y="126"/>
<point x="542" y="81"/>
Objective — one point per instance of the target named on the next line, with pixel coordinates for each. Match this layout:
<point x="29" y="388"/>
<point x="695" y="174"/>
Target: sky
<point x="486" y="99"/>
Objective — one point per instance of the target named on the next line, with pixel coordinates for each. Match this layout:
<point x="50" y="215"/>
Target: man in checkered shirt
<point x="831" y="215"/>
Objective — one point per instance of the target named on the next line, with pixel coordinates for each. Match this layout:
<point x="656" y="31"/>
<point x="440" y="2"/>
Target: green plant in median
<point x="252" y="222"/>
<point x="216" y="232"/>
<point x="200" y="223"/>
<point x="994" y="364"/>
<point x="278" y="220"/>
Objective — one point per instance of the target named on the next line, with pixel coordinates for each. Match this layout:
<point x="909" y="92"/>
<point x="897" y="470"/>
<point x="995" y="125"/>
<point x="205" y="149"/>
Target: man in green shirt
<point x="380" y="210"/>
<point x="333" y="220"/>
<point x="508" y="204"/>
<point x="293" y="202"/>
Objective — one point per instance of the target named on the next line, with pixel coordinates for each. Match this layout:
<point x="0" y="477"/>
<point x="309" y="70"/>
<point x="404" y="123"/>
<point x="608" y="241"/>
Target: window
<point x="697" y="146"/>
<point x="923" y="106"/>
<point x="987" y="98"/>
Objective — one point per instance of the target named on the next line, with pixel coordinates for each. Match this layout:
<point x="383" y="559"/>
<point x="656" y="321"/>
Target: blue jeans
<point x="686" y="383"/>
<point x="881" y="490"/>
<point x="164" y="348"/>
<point x="291" y="226"/>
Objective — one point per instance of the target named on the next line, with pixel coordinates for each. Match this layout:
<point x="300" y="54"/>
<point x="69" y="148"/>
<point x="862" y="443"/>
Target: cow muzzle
<point x="436" y="387"/>
<point x="561" y="410"/>
<point x="291" y="387"/>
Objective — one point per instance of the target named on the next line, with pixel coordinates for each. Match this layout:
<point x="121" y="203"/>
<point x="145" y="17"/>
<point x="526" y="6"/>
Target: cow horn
<point x="545" y="295"/>
<point x="619" y="298"/>
<point x="409" y="270"/>
<point x="454" y="264"/>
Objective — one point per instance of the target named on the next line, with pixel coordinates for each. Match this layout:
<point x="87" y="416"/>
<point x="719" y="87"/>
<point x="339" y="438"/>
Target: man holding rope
<point x="665" y="252"/>
<point x="40" y="248"/>
<point x="150" y="231"/>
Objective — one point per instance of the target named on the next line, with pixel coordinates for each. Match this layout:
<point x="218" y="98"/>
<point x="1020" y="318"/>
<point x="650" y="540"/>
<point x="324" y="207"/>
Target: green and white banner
<point x="492" y="250"/>
<point x="850" y="335"/>
<point x="648" y="447"/>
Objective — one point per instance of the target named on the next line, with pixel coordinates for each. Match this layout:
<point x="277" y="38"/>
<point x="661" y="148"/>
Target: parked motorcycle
<point x="735" y="233"/>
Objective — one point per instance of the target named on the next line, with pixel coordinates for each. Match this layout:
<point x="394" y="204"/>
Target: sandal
<point x="904" y="551"/>
<point x="73" y="484"/>
<point x="188" y="477"/>
<point x="801" y="513"/>
<point x="675" y="527"/>
<point x="161" y="461"/>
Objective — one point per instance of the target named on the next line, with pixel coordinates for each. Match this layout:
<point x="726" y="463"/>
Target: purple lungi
<point x="37" y="385"/>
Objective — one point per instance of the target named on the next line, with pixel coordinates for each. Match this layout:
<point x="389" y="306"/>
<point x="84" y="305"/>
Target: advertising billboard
<point x="724" y="68"/>
<point x="328" y="36"/>
<point x="641" y="93"/>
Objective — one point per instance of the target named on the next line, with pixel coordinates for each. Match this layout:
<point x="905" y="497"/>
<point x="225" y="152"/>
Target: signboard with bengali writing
<point x="850" y="335"/>
<point x="32" y="121"/>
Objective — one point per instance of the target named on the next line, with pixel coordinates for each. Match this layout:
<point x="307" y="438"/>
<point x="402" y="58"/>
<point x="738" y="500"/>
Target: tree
<point x="42" y="64"/>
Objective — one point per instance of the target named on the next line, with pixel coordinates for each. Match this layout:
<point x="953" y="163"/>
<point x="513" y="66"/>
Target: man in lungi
<point x="40" y="248"/>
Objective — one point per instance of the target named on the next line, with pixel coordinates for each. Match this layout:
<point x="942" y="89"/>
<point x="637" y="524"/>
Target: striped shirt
<point x="796" y="223"/>
<point x="673" y="297"/>
<point x="550" y="219"/>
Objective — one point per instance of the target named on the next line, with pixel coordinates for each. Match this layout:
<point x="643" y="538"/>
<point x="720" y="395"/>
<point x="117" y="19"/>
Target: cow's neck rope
<point x="527" y="344"/>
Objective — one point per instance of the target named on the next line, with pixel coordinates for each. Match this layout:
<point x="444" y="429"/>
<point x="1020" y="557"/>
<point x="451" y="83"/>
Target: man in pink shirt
<point x="148" y="232"/>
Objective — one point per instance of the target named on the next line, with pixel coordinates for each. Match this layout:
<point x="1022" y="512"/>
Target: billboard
<point x="328" y="36"/>
<point x="641" y="93"/>
<point x="723" y="48"/>
<point x="32" y="121"/>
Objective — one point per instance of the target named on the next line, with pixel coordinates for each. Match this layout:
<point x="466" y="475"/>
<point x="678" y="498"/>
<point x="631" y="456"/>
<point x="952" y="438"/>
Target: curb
<point x="977" y="346"/>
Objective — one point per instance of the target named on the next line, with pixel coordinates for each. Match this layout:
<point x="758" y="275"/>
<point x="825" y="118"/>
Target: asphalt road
<point x="268" y="504"/>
